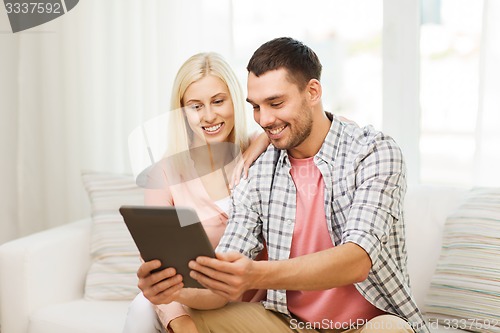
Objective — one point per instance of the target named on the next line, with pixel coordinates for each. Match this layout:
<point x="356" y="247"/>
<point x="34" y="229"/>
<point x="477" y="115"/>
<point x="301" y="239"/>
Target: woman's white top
<point x="224" y="204"/>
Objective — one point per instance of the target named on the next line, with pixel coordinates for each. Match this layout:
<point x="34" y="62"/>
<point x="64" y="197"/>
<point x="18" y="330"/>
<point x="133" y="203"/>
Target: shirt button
<point x="280" y="298"/>
<point x="289" y="221"/>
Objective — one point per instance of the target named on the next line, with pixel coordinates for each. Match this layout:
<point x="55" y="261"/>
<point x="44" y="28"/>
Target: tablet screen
<point x="173" y="235"/>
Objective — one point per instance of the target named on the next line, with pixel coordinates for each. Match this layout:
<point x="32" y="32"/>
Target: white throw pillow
<point x="115" y="258"/>
<point x="465" y="288"/>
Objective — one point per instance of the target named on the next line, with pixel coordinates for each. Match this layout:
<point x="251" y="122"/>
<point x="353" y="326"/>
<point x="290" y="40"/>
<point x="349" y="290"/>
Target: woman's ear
<point x="314" y="91"/>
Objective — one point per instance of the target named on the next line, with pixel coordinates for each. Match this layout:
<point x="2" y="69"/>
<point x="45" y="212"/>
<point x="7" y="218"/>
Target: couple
<point x="324" y="200"/>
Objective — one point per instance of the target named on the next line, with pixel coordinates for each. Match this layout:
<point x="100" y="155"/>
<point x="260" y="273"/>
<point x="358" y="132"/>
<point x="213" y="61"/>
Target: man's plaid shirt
<point x="364" y="175"/>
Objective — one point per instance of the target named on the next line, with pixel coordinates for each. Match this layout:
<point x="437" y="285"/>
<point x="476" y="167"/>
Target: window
<point x="434" y="73"/>
<point x="346" y="35"/>
<point x="449" y="78"/>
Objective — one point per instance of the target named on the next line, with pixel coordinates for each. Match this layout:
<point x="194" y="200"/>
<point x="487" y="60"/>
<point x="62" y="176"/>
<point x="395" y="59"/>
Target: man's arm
<point x="231" y="274"/>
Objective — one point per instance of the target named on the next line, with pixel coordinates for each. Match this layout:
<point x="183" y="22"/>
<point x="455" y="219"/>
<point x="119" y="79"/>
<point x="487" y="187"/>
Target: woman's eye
<point x="195" y="107"/>
<point x="218" y="101"/>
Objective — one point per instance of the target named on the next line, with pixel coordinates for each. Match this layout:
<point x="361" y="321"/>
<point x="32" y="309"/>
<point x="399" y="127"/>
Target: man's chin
<point x="279" y="144"/>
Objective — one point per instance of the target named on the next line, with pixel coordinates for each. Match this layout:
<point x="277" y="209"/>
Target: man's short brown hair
<point x="301" y="63"/>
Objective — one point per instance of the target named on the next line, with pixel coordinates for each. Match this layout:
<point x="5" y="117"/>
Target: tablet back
<point x="173" y="235"/>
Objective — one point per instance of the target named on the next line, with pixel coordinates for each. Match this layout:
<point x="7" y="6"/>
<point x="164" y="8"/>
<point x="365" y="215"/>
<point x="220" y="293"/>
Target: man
<point x="326" y="200"/>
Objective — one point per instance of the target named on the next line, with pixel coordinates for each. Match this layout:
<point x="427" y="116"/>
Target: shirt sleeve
<point x="378" y="198"/>
<point x="168" y="312"/>
<point x="158" y="197"/>
<point x="244" y="227"/>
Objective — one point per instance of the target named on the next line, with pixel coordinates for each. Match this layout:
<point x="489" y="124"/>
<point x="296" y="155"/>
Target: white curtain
<point x="74" y="88"/>
<point x="487" y="157"/>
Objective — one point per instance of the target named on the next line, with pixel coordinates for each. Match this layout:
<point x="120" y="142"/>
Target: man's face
<point x="280" y="108"/>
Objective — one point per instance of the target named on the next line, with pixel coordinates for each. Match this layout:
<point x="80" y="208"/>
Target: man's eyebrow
<point x="268" y="99"/>
<point x="272" y="98"/>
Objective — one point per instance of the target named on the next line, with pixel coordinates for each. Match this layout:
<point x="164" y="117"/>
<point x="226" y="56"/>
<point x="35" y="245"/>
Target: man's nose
<point x="266" y="117"/>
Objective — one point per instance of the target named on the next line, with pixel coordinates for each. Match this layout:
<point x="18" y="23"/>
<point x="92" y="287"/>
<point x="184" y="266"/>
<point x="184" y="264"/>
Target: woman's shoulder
<point x="167" y="171"/>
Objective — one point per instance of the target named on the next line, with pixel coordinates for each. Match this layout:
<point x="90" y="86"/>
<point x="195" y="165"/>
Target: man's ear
<point x="314" y="91"/>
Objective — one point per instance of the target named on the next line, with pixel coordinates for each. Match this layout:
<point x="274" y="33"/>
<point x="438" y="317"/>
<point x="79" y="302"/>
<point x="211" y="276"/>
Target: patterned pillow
<point x="465" y="288"/>
<point x="115" y="258"/>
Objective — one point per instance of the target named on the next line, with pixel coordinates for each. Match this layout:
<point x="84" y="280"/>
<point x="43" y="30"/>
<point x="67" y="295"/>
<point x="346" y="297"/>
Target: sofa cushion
<point x="115" y="258"/>
<point x="466" y="283"/>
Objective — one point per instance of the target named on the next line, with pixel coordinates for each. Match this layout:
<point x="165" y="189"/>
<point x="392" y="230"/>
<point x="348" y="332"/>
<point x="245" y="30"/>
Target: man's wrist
<point x="261" y="272"/>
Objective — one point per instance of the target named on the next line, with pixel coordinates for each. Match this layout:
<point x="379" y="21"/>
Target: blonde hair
<point x="195" y="68"/>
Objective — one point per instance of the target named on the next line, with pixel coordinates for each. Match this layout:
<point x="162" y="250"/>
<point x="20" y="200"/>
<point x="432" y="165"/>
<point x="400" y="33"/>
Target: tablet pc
<point x="174" y="235"/>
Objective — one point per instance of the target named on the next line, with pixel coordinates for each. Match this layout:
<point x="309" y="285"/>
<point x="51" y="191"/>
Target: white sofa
<point x="42" y="276"/>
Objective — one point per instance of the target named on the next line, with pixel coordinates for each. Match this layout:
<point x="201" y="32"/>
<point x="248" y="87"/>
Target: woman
<point x="207" y="132"/>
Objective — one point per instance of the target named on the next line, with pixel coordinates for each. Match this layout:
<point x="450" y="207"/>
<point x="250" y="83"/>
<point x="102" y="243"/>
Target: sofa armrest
<point x="44" y="268"/>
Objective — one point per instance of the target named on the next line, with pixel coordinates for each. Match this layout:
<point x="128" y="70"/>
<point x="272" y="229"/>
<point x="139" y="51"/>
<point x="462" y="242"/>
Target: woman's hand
<point x="161" y="287"/>
<point x="257" y="147"/>
<point x="347" y="120"/>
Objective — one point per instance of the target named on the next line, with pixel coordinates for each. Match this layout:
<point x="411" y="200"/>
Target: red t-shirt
<point x="338" y="305"/>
